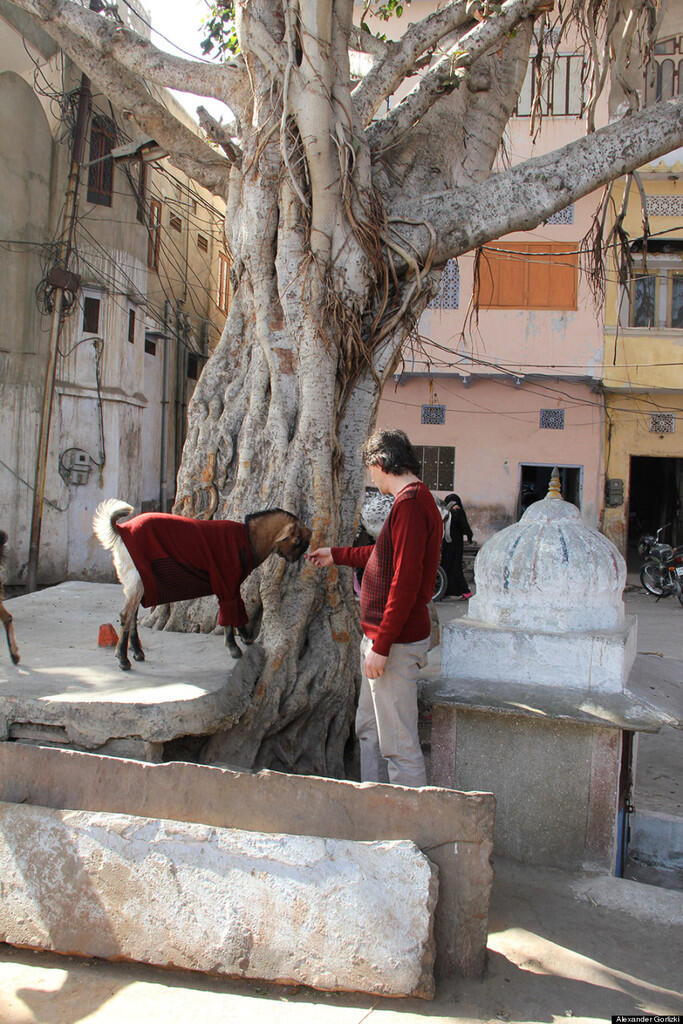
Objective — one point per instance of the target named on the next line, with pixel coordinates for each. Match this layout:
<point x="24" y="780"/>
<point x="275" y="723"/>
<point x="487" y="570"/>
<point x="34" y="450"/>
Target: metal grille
<point x="665" y="206"/>
<point x="552" y="419"/>
<point x="448" y="295"/>
<point x="565" y="216"/>
<point x="662" y="423"/>
<point x="433" y="414"/>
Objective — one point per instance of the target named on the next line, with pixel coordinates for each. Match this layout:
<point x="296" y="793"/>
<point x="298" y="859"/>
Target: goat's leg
<point x="128" y="620"/>
<point x="8" y="623"/>
<point x="136" y="646"/>
<point x="230" y="642"/>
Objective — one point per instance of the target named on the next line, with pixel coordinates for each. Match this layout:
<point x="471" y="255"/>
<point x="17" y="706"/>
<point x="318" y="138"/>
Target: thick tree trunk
<point x="261" y="434"/>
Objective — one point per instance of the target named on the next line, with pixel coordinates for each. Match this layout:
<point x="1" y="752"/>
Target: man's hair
<point x="391" y="450"/>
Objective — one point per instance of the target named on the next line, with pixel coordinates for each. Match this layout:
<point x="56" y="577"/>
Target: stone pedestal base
<point x="556" y="782"/>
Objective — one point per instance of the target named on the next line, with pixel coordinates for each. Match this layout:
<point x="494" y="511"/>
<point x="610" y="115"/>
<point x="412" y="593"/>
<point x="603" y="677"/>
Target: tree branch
<point x="397" y="59"/>
<point x="227" y="82"/>
<point x="220" y="134"/>
<point x="526" y="195"/>
<point x="449" y="72"/>
<point x="138" y="104"/>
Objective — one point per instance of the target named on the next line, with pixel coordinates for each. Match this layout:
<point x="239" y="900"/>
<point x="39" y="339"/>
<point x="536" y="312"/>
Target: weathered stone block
<point x="328" y="913"/>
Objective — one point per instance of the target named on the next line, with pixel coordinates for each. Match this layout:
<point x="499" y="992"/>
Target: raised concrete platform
<point x="68" y="691"/>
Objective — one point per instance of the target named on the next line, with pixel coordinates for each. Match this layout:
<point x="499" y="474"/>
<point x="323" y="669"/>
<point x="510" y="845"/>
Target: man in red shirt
<point x="398" y="583"/>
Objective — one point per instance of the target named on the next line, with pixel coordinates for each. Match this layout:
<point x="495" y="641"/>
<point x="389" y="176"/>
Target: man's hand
<point x="320" y="557"/>
<point x="374" y="664"/>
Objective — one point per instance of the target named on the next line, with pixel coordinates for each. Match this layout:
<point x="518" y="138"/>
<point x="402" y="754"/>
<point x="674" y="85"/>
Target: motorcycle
<point x="662" y="570"/>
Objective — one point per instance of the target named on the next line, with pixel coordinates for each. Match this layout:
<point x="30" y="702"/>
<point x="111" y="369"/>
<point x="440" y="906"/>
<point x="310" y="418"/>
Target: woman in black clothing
<point x="455" y="527"/>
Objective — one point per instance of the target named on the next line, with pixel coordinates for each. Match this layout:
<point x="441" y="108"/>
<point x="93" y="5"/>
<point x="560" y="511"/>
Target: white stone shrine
<point x="533" y="702"/>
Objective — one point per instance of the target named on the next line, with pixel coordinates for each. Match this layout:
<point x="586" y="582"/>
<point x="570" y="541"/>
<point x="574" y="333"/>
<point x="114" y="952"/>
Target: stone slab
<point x="327" y="913"/>
<point x="455" y="830"/>
<point x="598" y="662"/>
<point x="72" y="692"/>
<point x="623" y="710"/>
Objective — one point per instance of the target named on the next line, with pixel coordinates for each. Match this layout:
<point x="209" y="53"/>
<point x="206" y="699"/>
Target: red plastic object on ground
<point x="107" y="636"/>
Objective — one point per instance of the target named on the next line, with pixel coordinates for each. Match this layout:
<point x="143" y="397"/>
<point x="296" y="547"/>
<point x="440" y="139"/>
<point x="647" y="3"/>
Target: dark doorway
<point x="535" y="479"/>
<point x="655" y="498"/>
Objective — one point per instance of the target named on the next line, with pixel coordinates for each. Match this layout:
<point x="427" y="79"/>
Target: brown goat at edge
<point x="5" y="616"/>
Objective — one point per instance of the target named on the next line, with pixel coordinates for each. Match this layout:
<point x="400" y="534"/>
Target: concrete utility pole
<point x="62" y="280"/>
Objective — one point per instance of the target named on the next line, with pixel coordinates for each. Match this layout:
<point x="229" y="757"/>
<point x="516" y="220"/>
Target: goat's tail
<point x="104" y="521"/>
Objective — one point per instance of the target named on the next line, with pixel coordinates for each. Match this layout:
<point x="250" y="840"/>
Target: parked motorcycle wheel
<point x="440" y="585"/>
<point x="654" y="579"/>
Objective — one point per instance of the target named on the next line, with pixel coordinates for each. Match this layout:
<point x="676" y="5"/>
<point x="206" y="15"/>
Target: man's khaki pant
<point x="386" y="719"/>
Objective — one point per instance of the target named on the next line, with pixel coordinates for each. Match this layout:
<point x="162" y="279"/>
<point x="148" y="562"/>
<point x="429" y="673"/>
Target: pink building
<point x="495" y="403"/>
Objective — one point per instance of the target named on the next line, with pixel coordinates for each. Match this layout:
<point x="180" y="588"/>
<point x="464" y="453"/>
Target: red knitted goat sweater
<point x="180" y="558"/>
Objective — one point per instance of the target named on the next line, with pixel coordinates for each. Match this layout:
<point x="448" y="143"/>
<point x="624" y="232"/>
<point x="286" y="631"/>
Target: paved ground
<point x="559" y="946"/>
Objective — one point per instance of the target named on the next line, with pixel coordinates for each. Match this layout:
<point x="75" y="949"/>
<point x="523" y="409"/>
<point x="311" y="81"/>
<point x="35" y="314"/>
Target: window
<point x="175" y="222"/>
<point x="150" y="346"/>
<point x="561" y="88"/>
<point x="664" y="73"/>
<point x="101" y="169"/>
<point x="131" y="326"/>
<point x="203" y="243"/>
<point x="438" y="466"/>
<point x="656" y="298"/>
<point x="154" y="229"/>
<point x="528" y="275"/>
<point x="643" y="305"/>
<point x="192" y="367"/>
<point x="91" y="315"/>
<point x="140" y="191"/>
<point x="223" y="289"/>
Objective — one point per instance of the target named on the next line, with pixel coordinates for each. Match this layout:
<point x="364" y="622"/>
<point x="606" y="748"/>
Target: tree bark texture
<point x="337" y="226"/>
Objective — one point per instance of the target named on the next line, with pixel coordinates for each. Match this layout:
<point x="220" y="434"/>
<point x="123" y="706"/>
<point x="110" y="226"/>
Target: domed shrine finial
<point x="555" y="486"/>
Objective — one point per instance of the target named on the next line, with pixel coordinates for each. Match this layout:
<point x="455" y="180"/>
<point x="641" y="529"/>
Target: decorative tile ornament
<point x="552" y="419"/>
<point x="565" y="216"/>
<point x="662" y="423"/>
<point x="434" y="414"/>
<point x="665" y="206"/>
<point x="448" y="295"/>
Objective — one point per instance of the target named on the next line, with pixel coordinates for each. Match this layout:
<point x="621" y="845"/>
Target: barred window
<point x="448" y="295"/>
<point x="433" y="414"/>
<point x="175" y="222"/>
<point x="662" y="423"/>
<point x="562" y="88"/>
<point x="551" y="419"/>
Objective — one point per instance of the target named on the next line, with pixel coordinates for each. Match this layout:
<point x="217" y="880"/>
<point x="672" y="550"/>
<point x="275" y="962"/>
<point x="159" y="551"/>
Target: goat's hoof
<point x="124" y="666"/>
<point x="138" y="655"/>
<point x="15" y="658"/>
<point x="235" y="652"/>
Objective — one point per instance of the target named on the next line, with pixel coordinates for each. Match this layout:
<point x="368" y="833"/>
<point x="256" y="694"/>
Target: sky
<point x="180" y="22"/>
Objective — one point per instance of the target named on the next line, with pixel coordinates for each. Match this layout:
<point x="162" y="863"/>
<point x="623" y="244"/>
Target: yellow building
<point x="643" y="363"/>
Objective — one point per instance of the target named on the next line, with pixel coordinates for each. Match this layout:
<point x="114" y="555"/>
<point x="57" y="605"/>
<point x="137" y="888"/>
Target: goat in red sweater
<point x="163" y="558"/>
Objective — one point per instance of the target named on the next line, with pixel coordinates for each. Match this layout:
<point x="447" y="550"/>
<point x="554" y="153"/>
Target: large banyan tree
<point x="341" y="211"/>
